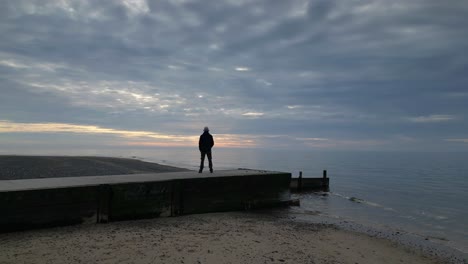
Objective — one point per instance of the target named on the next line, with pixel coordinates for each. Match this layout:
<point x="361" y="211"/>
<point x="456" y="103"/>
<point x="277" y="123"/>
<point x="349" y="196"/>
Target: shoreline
<point x="234" y="237"/>
<point x="430" y="246"/>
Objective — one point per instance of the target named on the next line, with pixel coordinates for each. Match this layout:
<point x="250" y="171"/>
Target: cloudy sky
<point x="318" y="74"/>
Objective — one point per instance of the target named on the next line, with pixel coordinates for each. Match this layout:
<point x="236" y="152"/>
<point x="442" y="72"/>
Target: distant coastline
<point x="13" y="167"/>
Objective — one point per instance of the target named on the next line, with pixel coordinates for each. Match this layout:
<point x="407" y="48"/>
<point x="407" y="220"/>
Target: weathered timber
<point x="98" y="199"/>
<point x="310" y="184"/>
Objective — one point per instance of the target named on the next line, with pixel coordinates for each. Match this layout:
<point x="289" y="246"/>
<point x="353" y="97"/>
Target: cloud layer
<point x="370" y="74"/>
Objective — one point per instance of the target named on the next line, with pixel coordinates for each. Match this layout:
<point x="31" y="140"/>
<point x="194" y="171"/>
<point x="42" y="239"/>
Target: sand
<point x="235" y="237"/>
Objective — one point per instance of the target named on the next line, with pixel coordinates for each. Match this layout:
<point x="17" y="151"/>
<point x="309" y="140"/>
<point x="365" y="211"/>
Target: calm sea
<point x="421" y="193"/>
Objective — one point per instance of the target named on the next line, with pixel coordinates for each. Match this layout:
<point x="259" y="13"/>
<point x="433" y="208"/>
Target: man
<point x="205" y="144"/>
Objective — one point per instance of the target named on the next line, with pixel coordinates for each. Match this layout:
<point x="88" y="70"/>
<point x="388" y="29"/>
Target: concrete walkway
<point x="68" y="182"/>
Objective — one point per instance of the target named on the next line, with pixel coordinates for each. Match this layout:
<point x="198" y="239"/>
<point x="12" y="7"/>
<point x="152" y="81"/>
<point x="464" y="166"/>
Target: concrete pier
<point x="96" y="199"/>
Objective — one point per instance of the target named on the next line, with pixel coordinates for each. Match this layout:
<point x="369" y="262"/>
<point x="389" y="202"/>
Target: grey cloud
<point x="357" y="69"/>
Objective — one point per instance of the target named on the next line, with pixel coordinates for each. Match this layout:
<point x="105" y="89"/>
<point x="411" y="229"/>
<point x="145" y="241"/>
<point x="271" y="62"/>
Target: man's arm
<point x="200" y="144"/>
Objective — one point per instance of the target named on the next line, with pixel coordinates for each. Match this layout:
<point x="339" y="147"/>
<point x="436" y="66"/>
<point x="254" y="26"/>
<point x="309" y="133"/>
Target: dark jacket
<point x="206" y="142"/>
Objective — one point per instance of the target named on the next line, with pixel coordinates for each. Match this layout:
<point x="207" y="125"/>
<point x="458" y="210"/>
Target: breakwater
<point x="36" y="203"/>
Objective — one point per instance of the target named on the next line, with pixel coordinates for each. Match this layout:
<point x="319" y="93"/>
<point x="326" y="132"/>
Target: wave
<point x="432" y="216"/>
<point x="362" y="201"/>
<point x="372" y="204"/>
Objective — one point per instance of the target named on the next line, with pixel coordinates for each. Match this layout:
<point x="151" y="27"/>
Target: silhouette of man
<point x="205" y="144"/>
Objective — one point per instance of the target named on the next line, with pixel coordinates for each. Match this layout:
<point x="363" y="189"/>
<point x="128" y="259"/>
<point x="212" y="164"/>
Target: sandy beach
<point x="236" y="237"/>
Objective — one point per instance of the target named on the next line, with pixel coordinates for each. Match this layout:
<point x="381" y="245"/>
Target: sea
<point x="421" y="193"/>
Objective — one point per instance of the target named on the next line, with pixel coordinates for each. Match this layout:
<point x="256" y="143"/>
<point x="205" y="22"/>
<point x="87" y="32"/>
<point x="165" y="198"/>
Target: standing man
<point x="205" y="144"/>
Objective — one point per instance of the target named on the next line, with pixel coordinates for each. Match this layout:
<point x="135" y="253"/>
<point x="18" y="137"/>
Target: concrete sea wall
<point x="36" y="203"/>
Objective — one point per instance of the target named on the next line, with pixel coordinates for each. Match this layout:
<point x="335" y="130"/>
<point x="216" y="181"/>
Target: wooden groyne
<point x="310" y="184"/>
<point x="97" y="199"/>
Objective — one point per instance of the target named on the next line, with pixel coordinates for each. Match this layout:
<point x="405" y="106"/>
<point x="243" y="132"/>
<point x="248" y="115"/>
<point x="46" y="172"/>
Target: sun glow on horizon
<point x="136" y="138"/>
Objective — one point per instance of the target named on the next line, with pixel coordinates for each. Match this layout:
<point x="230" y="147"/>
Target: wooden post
<point x="324" y="179"/>
<point x="299" y="182"/>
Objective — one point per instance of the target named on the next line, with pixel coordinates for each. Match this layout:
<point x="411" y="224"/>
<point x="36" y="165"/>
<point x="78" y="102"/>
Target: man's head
<point x="206" y="129"/>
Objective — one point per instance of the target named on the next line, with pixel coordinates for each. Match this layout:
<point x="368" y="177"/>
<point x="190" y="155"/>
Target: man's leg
<point x="210" y="163"/>
<point x="202" y="158"/>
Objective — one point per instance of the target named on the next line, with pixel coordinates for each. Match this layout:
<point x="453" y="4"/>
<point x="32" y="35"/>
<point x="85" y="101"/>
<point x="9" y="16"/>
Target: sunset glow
<point x="137" y="138"/>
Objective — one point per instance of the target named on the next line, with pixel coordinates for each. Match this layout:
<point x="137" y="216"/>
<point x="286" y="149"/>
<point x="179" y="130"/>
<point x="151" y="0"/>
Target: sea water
<point x="421" y="193"/>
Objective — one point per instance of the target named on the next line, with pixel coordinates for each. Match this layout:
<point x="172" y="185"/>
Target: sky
<point x="319" y="74"/>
